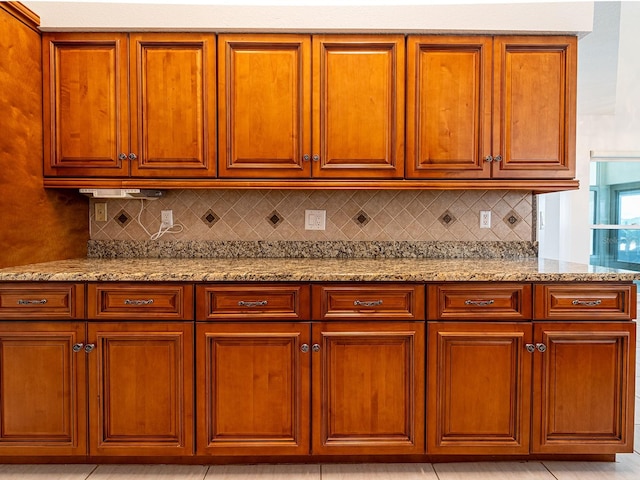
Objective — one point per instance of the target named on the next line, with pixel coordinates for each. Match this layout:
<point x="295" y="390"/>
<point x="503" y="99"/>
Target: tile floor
<point x="626" y="467"/>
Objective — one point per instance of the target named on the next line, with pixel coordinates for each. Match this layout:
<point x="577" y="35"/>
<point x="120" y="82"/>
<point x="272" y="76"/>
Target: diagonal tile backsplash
<point x="273" y="215"/>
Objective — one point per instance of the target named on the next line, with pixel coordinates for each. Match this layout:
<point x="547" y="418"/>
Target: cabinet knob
<point x="77" y="347"/>
<point x="497" y="158"/>
<point x="530" y="347"/>
<point x="541" y="347"/>
<point x="306" y="157"/>
<point x="316" y="158"/>
<point x="315" y="347"/>
<point x="304" y="347"/>
<point x="89" y="347"/>
<point x="122" y="156"/>
<point x="132" y="156"/>
<point x="488" y="158"/>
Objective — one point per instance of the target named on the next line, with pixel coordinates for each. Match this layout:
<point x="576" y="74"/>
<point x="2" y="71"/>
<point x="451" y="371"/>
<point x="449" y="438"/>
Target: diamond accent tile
<point x="447" y="219"/>
<point x="275" y="219"/>
<point x="512" y="219"/>
<point x="123" y="218"/>
<point x="361" y="218"/>
<point x="210" y="218"/>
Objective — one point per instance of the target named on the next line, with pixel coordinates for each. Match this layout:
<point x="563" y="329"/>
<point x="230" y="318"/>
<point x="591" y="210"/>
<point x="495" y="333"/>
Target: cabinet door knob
<point x="530" y="347"/>
<point x="316" y="158"/>
<point x="488" y="158"/>
<point x="77" y="347"/>
<point x="122" y="156"/>
<point x="541" y="347"/>
<point x="304" y="347"/>
<point x="315" y="347"/>
<point x="306" y="157"/>
<point x="89" y="347"/>
<point x="132" y="156"/>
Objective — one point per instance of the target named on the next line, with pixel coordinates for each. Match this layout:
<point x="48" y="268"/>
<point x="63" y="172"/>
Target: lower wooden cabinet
<point x="43" y="390"/>
<point x="141" y="388"/>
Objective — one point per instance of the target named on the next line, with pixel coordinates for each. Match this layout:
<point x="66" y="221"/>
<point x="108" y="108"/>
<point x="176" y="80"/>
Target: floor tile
<point x="149" y="472"/>
<point x="626" y="467"/>
<point x="45" y="472"/>
<point x="263" y="472"/>
<point x="379" y="471"/>
<point x="492" y="471"/>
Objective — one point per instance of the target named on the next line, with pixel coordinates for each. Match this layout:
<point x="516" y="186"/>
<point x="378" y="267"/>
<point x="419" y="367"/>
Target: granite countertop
<point x="312" y="269"/>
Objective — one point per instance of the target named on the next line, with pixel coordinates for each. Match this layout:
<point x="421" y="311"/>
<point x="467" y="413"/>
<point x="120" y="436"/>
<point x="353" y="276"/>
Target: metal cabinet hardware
<point x="488" y="158"/>
<point x="530" y="347"/>
<point x="259" y="303"/>
<point x="304" y="347"/>
<point x="122" y="156"/>
<point x="497" y="158"/>
<point x="89" y="347"/>
<point x="77" y="347"/>
<point x="32" y="302"/>
<point x="316" y="158"/>
<point x="479" y="303"/>
<point x="315" y="347"/>
<point x="132" y="156"/>
<point x="306" y="157"/>
<point x="541" y="347"/>
<point x="364" y="303"/>
<point x="138" y="302"/>
<point x="587" y="303"/>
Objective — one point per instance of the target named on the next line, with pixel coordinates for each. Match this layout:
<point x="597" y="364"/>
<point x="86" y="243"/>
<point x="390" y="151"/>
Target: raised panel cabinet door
<point x="358" y="106"/>
<point x="141" y="388"/>
<point x="479" y="396"/>
<point x="253" y="388"/>
<point x="368" y="388"/>
<point x="584" y="388"/>
<point x="264" y="110"/>
<point x="86" y="104"/>
<point x="43" y="389"/>
<point x="534" y="103"/>
<point x="173" y="104"/>
<point x="449" y="86"/>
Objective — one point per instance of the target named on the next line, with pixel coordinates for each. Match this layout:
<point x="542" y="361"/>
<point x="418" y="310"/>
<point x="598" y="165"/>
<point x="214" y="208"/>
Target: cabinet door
<point x="43" y="389"/>
<point x="583" y="399"/>
<point x="173" y="105"/>
<point x="253" y="388"/>
<point x="368" y="388"/>
<point x="358" y="106"/>
<point x="264" y="106"/>
<point x="141" y="388"/>
<point x="86" y="108"/>
<point x="534" y="101"/>
<point x="480" y="388"/>
<point x="448" y="106"/>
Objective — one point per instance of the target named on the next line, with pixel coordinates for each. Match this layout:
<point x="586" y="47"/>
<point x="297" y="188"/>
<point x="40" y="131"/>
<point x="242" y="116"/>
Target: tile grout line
<point x="92" y="471"/>
<point x="548" y="470"/>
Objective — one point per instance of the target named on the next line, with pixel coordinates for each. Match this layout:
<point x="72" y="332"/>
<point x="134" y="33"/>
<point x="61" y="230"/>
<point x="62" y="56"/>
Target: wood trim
<point x="536" y="186"/>
<point x="22" y="13"/>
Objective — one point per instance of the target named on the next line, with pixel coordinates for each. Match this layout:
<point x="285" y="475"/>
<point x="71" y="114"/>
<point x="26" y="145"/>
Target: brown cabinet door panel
<point x="43" y="389"/>
<point x="86" y="107"/>
<point x="368" y="388"/>
<point x="173" y="105"/>
<point x="253" y="388"/>
<point x="264" y="106"/>
<point x="480" y="388"/>
<point x="358" y="105"/>
<point x="448" y="106"/>
<point x="534" y="103"/>
<point x="141" y="389"/>
<point x="584" y="388"/>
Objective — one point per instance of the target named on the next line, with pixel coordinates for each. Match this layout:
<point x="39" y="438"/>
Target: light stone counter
<point x="312" y="269"/>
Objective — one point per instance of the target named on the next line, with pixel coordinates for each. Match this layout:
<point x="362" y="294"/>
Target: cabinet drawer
<point x="137" y="301"/>
<point x="260" y="301"/>
<point x="368" y="302"/>
<point x="588" y="301"/>
<point x="41" y="301"/>
<point x="483" y="301"/>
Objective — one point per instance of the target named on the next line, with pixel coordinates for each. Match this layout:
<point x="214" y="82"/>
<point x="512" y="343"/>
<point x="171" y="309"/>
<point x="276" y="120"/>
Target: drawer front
<point x="482" y="301"/>
<point x="48" y="301"/>
<point x="137" y="301"/>
<point x="368" y="302"/>
<point x="259" y="301"/>
<point x="588" y="301"/>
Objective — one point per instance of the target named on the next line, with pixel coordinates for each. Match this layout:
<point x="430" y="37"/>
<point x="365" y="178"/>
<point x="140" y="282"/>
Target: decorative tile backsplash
<point x="276" y="215"/>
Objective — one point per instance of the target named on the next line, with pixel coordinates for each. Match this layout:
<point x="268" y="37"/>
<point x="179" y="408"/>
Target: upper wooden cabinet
<point x="118" y="105"/>
<point x="491" y="107"/>
<point x="287" y="113"/>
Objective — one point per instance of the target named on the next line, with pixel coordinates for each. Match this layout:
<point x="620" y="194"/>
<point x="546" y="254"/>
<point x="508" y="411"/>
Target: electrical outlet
<point x="485" y="219"/>
<point x="315" y="219"/>
<point x="100" y="211"/>
<point x="166" y="217"/>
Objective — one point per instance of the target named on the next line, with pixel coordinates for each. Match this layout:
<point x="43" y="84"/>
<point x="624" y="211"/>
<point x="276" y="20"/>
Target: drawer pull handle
<point x="259" y="303"/>
<point x="32" y="302"/>
<point x="363" y="303"/>
<point x="587" y="303"/>
<point x="530" y="347"/>
<point x="479" y="303"/>
<point x="138" y="302"/>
